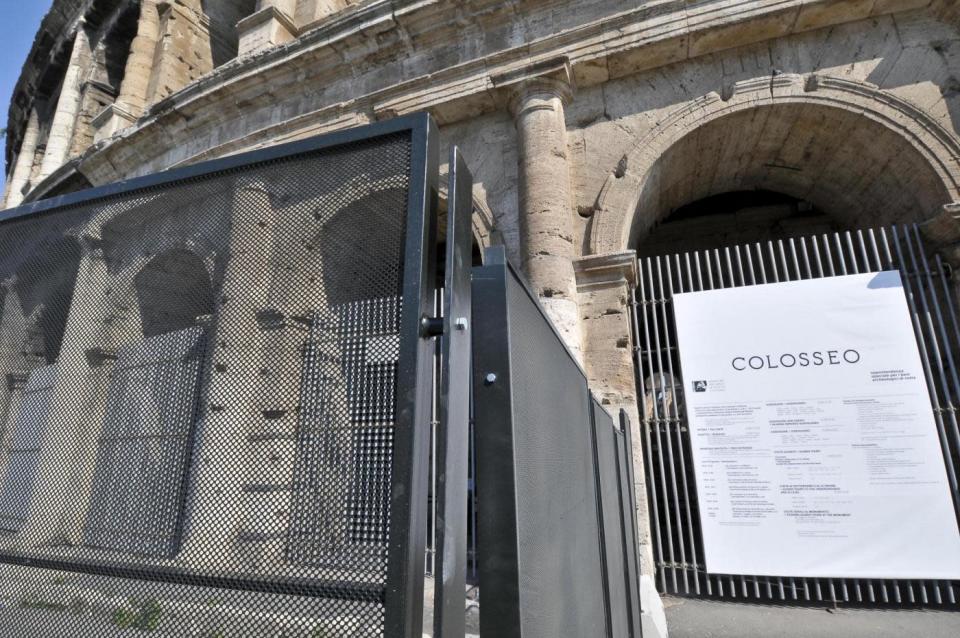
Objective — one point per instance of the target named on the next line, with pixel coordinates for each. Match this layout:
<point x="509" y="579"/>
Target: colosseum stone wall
<point x="586" y="126"/>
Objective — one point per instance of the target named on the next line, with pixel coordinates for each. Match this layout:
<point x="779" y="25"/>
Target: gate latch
<point x="431" y="327"/>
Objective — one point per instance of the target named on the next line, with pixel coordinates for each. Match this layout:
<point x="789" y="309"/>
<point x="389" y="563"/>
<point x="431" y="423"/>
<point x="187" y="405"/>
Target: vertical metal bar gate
<point x="670" y="480"/>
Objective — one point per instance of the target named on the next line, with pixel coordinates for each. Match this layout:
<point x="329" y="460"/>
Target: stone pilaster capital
<point x="190" y="10"/>
<point x="17" y="380"/>
<point x="606" y="271"/>
<point x="117" y="109"/>
<point x="91" y="243"/>
<point x="150" y="11"/>
<point x="943" y="227"/>
<point x="533" y="83"/>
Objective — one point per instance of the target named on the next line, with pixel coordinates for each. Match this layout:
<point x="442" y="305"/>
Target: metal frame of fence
<point x="453" y="440"/>
<point x="557" y="550"/>
<point x="402" y="592"/>
<point x="628" y="520"/>
<point x="670" y="479"/>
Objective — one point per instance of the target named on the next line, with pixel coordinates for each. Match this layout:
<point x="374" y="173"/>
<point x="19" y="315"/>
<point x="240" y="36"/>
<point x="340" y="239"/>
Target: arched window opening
<point x="45" y="287"/>
<point x="224" y="16"/>
<point x="754" y="195"/>
<point x="111" y="31"/>
<point x="142" y="465"/>
<point x="735" y="217"/>
<point x="116" y="46"/>
<point x="46" y="95"/>
<point x="172" y="291"/>
<point x="862" y="171"/>
<point x="35" y="312"/>
<point x="348" y="374"/>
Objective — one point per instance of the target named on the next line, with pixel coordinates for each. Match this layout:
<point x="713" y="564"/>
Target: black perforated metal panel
<point x="558" y="533"/>
<point x="210" y="417"/>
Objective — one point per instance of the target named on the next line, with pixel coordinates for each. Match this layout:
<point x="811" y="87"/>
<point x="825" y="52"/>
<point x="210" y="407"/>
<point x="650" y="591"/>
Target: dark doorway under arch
<point x="735" y="218"/>
<point x="45" y="286"/>
<point x="172" y="291"/>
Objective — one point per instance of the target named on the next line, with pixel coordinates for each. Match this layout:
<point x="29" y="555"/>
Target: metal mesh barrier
<point x="610" y="521"/>
<point x="674" y="507"/>
<point x="204" y="397"/>
<point x="553" y="557"/>
<point x="626" y="486"/>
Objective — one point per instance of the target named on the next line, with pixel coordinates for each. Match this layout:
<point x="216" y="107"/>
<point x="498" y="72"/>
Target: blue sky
<point x="19" y="22"/>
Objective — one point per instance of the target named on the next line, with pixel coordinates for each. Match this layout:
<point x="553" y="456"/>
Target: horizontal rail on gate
<point x="308" y="587"/>
<point x="401" y="124"/>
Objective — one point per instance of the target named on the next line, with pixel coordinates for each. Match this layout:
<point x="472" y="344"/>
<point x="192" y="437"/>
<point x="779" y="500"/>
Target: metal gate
<point x="671" y="492"/>
<point x="557" y="539"/>
<point x="217" y="409"/>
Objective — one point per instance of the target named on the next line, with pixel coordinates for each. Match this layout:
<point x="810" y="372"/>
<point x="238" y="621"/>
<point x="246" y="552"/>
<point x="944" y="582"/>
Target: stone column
<point x="13" y="365"/>
<point x="604" y="283"/>
<point x="270" y="25"/>
<point x="942" y="228"/>
<point x="24" y="165"/>
<point x="68" y="106"/>
<point x="139" y="68"/>
<point x="132" y="101"/>
<point x="184" y="50"/>
<point x="68" y="438"/>
<point x="230" y="402"/>
<point x="547" y="241"/>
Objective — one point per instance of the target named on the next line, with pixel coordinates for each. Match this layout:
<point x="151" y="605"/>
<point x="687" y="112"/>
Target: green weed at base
<point x="143" y="615"/>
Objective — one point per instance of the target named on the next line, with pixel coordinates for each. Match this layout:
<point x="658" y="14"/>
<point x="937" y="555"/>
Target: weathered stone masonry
<point x="586" y="123"/>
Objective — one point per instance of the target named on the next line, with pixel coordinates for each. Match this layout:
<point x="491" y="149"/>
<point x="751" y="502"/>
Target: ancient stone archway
<point x="860" y="154"/>
<point x="160" y="290"/>
<point x="856" y="152"/>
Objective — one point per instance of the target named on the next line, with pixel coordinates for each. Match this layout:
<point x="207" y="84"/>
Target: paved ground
<point x="33" y="623"/>
<point x="685" y="618"/>
<point x="708" y="619"/>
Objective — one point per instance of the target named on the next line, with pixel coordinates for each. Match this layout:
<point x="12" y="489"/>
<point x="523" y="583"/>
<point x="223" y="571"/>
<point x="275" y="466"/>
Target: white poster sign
<point x="814" y="443"/>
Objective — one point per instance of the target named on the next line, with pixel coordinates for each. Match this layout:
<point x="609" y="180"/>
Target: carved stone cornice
<point x="600" y="49"/>
<point x="604" y="271"/>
